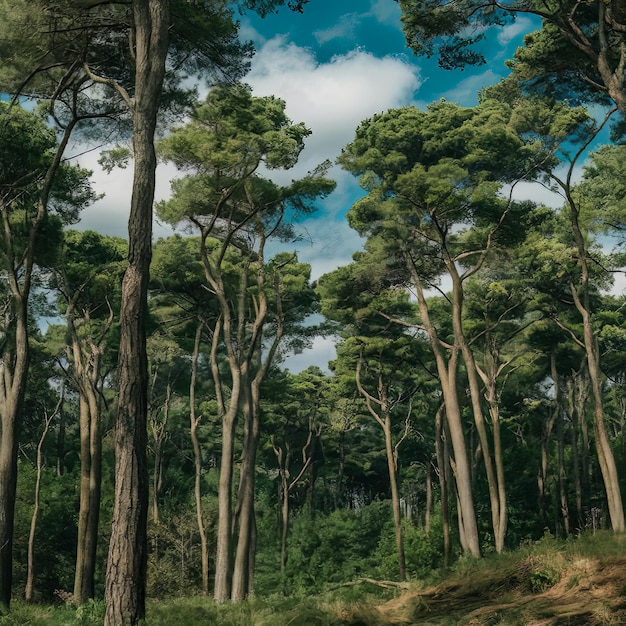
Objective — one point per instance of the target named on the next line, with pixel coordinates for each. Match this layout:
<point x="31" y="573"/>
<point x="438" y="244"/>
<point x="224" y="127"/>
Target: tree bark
<point x="383" y="416"/>
<point x="241" y="582"/>
<point x="495" y="480"/>
<point x="197" y="457"/>
<point x="126" y="566"/>
<point x="87" y="375"/>
<point x="447" y="375"/>
<point x="606" y="458"/>
<point x="30" y="567"/>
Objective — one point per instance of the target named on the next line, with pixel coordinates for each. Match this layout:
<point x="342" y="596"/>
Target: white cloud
<point x="331" y="98"/>
<point x="507" y="33"/>
<point x="109" y="215"/>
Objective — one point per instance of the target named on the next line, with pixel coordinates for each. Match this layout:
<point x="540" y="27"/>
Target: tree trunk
<point x="443" y="463"/>
<point x="447" y="376"/>
<point x="221" y="592"/>
<point x="12" y="386"/>
<point x="606" y="458"/>
<point x="395" y="496"/>
<point x="497" y="493"/>
<point x="126" y="566"/>
<point x="241" y="583"/>
<point x="197" y="457"/>
<point x="30" y="567"/>
<point x="86" y="366"/>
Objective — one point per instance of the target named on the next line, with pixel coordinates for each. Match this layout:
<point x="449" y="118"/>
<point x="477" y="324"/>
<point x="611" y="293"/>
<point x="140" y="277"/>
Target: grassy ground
<point x="579" y="582"/>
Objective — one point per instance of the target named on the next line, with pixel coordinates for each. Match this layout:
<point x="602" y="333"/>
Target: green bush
<point x="334" y="548"/>
<point x="541" y="579"/>
<point x="90" y="614"/>
<point x="423" y="551"/>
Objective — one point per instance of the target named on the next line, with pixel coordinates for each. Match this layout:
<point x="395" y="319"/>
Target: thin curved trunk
<point x="194" y="421"/>
<point x="606" y="457"/>
<point x="30" y="561"/>
<point x="443" y="463"/>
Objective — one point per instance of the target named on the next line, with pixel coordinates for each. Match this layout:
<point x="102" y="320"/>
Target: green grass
<point x="496" y="579"/>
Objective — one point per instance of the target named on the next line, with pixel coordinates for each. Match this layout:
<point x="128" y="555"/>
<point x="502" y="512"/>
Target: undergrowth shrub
<point x="423" y="551"/>
<point x="334" y="548"/>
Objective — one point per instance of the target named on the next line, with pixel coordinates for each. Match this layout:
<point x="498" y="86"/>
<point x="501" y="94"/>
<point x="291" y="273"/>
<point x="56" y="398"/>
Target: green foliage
<point x="543" y="578"/>
<point x="334" y="548"/>
<point x="90" y="614"/>
<point x="55" y="543"/>
<point x="423" y="551"/>
<point x="231" y="134"/>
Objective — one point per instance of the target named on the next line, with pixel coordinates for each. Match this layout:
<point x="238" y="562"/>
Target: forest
<point x="153" y="442"/>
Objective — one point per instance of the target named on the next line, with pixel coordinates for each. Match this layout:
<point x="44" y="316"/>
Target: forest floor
<point x="557" y="588"/>
<point x="576" y="582"/>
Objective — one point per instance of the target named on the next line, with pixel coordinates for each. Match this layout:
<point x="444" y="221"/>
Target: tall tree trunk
<point x="443" y="463"/>
<point x="497" y="493"/>
<point x="245" y="518"/>
<point x="447" y="376"/>
<point x="125" y="588"/>
<point x="12" y="387"/>
<point x="30" y="567"/>
<point x="89" y="508"/>
<point x="221" y="592"/>
<point x="85" y="358"/>
<point x="194" y="421"/>
<point x="223" y="561"/>
<point x="606" y="458"/>
<point x="392" y="467"/>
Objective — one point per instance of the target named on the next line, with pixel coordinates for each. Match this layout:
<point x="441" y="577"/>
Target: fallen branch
<point x="386" y="584"/>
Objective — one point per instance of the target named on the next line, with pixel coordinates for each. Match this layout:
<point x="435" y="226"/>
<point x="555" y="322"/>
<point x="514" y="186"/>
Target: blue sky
<point x="336" y="64"/>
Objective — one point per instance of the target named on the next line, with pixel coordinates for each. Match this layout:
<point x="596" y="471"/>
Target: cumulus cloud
<point x="330" y="98"/>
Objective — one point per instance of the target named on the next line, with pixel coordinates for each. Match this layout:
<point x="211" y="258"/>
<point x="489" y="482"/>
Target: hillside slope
<point x="555" y="588"/>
